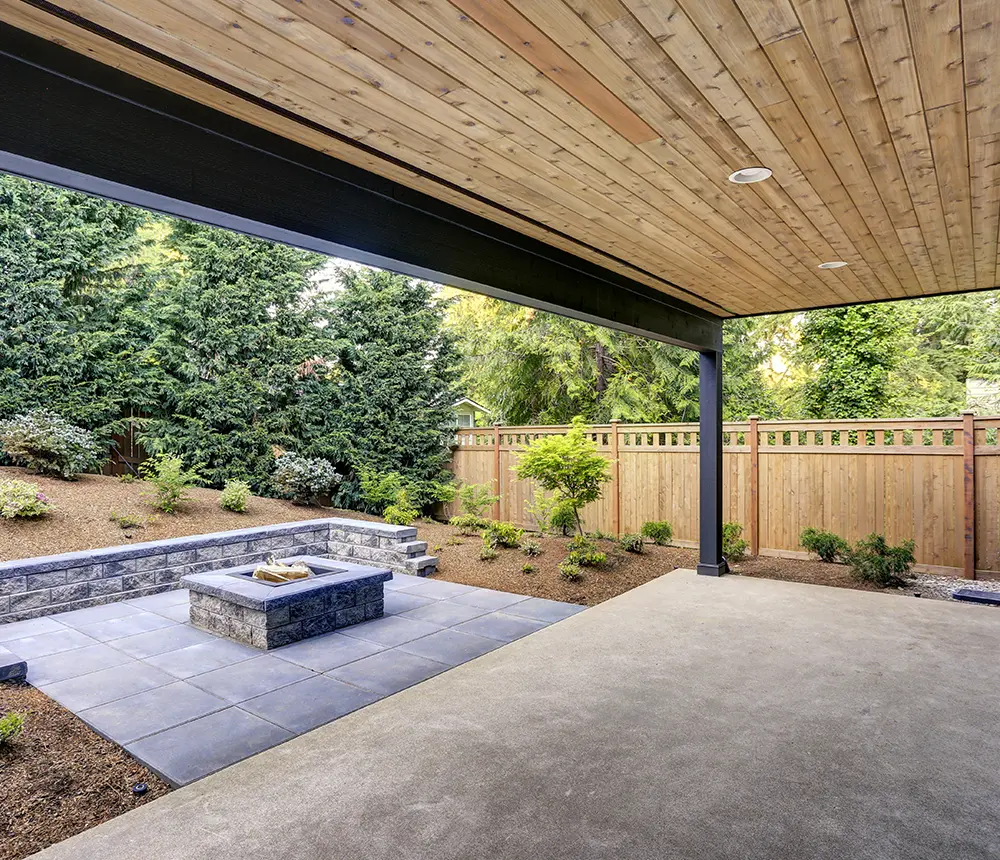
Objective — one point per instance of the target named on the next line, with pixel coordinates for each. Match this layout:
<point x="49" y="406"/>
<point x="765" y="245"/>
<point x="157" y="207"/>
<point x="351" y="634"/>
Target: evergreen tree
<point x="382" y="402"/>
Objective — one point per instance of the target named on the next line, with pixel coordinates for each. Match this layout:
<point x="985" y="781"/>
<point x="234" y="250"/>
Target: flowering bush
<point x="49" y="444"/>
<point x="22" y="499"/>
<point x="303" y="479"/>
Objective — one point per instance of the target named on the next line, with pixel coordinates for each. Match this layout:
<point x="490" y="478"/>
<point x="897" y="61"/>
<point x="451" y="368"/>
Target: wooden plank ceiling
<point x="609" y="127"/>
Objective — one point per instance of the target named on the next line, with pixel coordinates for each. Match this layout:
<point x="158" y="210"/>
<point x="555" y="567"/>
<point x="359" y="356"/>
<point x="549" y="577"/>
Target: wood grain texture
<point x="609" y="128"/>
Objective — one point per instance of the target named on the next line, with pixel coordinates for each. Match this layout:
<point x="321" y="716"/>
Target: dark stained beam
<point x="71" y="121"/>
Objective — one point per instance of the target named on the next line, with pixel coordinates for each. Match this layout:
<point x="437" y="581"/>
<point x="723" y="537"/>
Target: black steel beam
<point x="71" y="121"/>
<point x="710" y="560"/>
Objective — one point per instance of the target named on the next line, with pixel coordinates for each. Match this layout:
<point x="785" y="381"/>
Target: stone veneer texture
<point x="32" y="587"/>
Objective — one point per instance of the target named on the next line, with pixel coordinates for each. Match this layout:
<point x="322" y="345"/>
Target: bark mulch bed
<point x="58" y="777"/>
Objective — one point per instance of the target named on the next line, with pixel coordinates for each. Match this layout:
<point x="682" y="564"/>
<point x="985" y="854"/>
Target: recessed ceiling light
<point x="750" y="174"/>
<point x="833" y="264"/>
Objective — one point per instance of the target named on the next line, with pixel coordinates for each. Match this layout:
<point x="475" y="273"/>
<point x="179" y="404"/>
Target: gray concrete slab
<point x="390" y="630"/>
<point x="322" y="653"/>
<point x="397" y="601"/>
<point x="106" y="685"/>
<point x="497" y="625"/>
<point x="249" y="678"/>
<point x="32" y="647"/>
<point x="307" y="704"/>
<point x="203" y="657"/>
<point x="692" y="718"/>
<point x="70" y="664"/>
<point x="207" y="744"/>
<point x="388" y="672"/>
<point x="127" y="625"/>
<point x="445" y="613"/>
<point x="486" y="598"/>
<point x="450" y="647"/>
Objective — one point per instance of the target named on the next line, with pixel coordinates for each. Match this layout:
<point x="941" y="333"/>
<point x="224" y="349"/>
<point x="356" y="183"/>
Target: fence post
<point x="754" y="525"/>
<point x="496" y="471"/>
<point x="969" y="471"/>
<point x="616" y="498"/>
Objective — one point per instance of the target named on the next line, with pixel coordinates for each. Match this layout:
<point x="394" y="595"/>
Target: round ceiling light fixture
<point x="747" y="175"/>
<point x="833" y="264"/>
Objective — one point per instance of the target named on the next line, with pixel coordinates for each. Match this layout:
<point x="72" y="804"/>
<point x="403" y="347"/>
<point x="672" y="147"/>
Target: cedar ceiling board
<point x="532" y="193"/>
<point x="730" y="101"/>
<point x="799" y="69"/>
<point x="57" y="30"/>
<point x="614" y="122"/>
<point x="885" y="39"/>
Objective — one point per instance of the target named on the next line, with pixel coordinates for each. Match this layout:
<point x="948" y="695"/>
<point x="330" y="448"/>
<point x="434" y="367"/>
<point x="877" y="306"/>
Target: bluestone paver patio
<point x="187" y="703"/>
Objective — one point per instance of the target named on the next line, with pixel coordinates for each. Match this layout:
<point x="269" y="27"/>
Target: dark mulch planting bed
<point x="58" y="778"/>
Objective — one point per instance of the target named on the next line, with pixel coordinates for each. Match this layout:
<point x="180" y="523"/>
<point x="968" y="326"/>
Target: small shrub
<point x="128" y="521"/>
<point x="487" y="553"/>
<point x="170" y="481"/>
<point x="599" y="535"/>
<point x="659" y="532"/>
<point x="381" y="489"/>
<point x="401" y="512"/>
<point x="874" y="560"/>
<point x="475" y="499"/>
<point x="541" y="508"/>
<point x="733" y="545"/>
<point x="502" y="534"/>
<point x="828" y="546"/>
<point x="453" y="541"/>
<point x="49" y="444"/>
<point x="531" y="548"/>
<point x="235" y="496"/>
<point x="570" y="571"/>
<point x="631" y="543"/>
<point x="22" y="499"/>
<point x="584" y="553"/>
<point x="303" y="479"/>
<point x="469" y="525"/>
<point x="528" y="567"/>
<point x="11" y="725"/>
<point x="127" y="478"/>
<point x="563" y="517"/>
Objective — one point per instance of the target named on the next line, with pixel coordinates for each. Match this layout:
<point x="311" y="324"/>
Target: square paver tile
<point x="107" y="685"/>
<point x="155" y="642"/>
<point x="388" y="672"/>
<point x="179" y="612"/>
<point x="486" y="598"/>
<point x="249" y="678"/>
<point x="401" y="580"/>
<point x="94" y="614"/>
<point x="390" y="630"/>
<point x="163" y="600"/>
<point x="439" y="589"/>
<point x="126" y="720"/>
<point x="202" y="658"/>
<point x="44" y="644"/>
<point x="322" y="653"/>
<point x="127" y="625"/>
<point x="544" y="610"/>
<point x="451" y="647"/>
<point x="188" y="752"/>
<point x="496" y="625"/>
<point x="445" y="613"/>
<point x="399" y="601"/>
<point x="73" y="663"/>
<point x="308" y="704"/>
<point x="34" y="627"/>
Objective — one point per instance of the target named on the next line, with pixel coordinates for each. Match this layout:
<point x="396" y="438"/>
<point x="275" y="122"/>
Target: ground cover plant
<point x="659" y="532"/>
<point x="873" y="559"/>
<point x="170" y="480"/>
<point x="235" y="496"/>
<point x="828" y="546"/>
<point x="47" y="443"/>
<point x="22" y="499"/>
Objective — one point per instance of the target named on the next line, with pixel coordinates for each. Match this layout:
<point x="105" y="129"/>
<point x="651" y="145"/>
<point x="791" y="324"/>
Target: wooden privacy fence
<point x="935" y="480"/>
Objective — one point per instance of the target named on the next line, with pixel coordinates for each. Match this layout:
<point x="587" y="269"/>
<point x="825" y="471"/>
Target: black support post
<point x="711" y="562"/>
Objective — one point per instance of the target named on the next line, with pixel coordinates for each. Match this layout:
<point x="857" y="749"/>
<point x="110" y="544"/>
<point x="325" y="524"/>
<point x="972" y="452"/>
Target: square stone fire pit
<point x="268" y="615"/>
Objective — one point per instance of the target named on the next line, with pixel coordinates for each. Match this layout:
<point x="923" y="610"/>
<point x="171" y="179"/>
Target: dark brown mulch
<point x="58" y="777"/>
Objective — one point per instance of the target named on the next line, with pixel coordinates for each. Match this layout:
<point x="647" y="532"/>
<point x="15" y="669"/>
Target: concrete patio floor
<point x="690" y="718"/>
<point x="187" y="703"/>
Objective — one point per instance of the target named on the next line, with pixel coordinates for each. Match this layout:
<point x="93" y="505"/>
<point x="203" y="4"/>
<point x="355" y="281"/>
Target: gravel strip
<point x="941" y="587"/>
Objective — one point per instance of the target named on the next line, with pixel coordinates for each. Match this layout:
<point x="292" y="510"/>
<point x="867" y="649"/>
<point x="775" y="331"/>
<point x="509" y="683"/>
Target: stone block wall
<point x="33" y="587"/>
